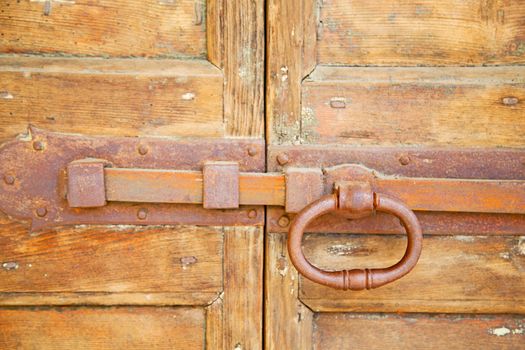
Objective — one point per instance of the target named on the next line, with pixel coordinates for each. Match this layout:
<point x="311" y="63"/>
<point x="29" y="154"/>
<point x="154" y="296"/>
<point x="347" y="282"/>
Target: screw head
<point x="41" y="212"/>
<point x="143" y="150"/>
<point x="38" y="145"/>
<point x="283" y="221"/>
<point x="252" y="214"/>
<point x="404" y="159"/>
<point x="142" y="214"/>
<point x="252" y="151"/>
<point x="9" y="179"/>
<point x="283" y="158"/>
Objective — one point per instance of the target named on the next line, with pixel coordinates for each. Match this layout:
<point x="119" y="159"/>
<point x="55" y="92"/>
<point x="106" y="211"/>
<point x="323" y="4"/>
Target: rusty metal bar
<point x="421" y="194"/>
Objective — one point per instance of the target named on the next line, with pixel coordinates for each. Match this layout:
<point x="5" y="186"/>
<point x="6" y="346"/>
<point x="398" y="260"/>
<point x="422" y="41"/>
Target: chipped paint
<point x="466" y="239"/>
<point x="504" y="331"/>
<point x="6" y="95"/>
<point x="189" y="96"/>
<point x="10" y="265"/>
<point x="187" y="261"/>
<point x="520" y="247"/>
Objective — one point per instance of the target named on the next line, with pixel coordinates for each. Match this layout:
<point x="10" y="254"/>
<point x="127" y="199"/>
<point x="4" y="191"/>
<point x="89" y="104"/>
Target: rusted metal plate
<point x="32" y="165"/>
<point x="303" y="186"/>
<point x="221" y="185"/>
<point x="500" y="164"/>
<point x="85" y="184"/>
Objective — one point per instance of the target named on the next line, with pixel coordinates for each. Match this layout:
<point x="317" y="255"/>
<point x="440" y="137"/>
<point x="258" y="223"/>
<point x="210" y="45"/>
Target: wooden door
<point x="403" y="78"/>
<point x="171" y="68"/>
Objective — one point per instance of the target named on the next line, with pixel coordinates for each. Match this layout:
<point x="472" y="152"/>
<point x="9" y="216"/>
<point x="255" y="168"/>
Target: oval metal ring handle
<point x="356" y="279"/>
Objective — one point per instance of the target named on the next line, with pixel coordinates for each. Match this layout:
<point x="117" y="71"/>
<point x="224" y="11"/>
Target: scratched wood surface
<point x="460" y="106"/>
<point x="111" y="97"/>
<point x="386" y="331"/>
<point x="429" y="32"/>
<point x="164" y="28"/>
<point x="102" y="328"/>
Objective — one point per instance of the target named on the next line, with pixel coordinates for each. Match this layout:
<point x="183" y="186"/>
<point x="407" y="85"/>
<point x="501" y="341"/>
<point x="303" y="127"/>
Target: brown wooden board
<point x="419" y="331"/>
<point x="406" y="33"/>
<point x="102" y="328"/>
<point x="104" y="28"/>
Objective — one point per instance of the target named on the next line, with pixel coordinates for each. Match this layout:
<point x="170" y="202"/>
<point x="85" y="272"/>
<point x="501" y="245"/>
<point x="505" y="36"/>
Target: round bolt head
<point x="9" y="179"/>
<point x="284" y="221"/>
<point x="143" y="150"/>
<point x="38" y="145"/>
<point x="142" y="214"/>
<point x="252" y="214"/>
<point x="252" y="151"/>
<point x="283" y="159"/>
<point x="41" y="212"/>
<point x="404" y="159"/>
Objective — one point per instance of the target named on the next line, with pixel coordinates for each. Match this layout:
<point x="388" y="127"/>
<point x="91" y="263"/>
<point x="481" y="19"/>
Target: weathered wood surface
<point x="102" y="328"/>
<point x="122" y="28"/>
<point x="456" y="274"/>
<point x="111" y="97"/>
<point x="288" y="322"/>
<point x="112" y="259"/>
<point x="380" y="331"/>
<point x="460" y="107"/>
<point x="430" y="32"/>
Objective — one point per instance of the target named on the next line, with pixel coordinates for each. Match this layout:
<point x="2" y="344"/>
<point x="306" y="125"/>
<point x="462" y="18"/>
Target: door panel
<point x="408" y="33"/>
<point x="184" y="69"/>
<point x="326" y="91"/>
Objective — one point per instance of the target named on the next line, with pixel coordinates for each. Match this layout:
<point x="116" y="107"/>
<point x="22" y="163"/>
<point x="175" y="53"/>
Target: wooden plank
<point x="430" y="32"/>
<point x="113" y="97"/>
<point x="460" y="107"/>
<point x="123" y="28"/>
<point x="118" y="259"/>
<point x="367" y="331"/>
<point x="214" y="31"/>
<point x="102" y="328"/>
<point x="243" y="288"/>
<point x="456" y="274"/>
<point x="285" y="42"/>
<point x="288" y="322"/>
<point x="244" y="67"/>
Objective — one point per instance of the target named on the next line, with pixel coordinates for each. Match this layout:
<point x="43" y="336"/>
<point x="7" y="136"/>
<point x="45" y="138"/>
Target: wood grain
<point x="373" y="331"/>
<point x="288" y="322"/>
<point x="120" y="28"/>
<point x="113" y="259"/>
<point x="456" y="274"/>
<point x="102" y="328"/>
<point x="243" y="288"/>
<point x="460" y="107"/>
<point x="430" y="32"/>
<point x="287" y="27"/>
<point x="111" y="97"/>
<point x="244" y="67"/>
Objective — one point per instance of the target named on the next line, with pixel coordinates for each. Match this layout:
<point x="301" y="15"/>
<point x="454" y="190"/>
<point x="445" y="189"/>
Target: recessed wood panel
<point x="102" y="328"/>
<point x="373" y="331"/>
<point x="166" y="28"/>
<point x="461" y="107"/>
<point x="111" y="97"/>
<point x="112" y="260"/>
<point x="430" y="32"/>
<point x="470" y="274"/>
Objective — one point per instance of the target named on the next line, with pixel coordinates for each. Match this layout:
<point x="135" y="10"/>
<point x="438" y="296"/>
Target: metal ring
<point x="355" y="279"/>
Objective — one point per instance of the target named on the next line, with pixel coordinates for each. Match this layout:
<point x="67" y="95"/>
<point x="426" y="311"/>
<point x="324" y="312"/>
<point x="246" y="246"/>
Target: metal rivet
<point x="142" y="214"/>
<point x="9" y="179"/>
<point x="283" y="159"/>
<point x="510" y="101"/>
<point x="143" y="150"/>
<point x="252" y="214"/>
<point x="284" y="221"/>
<point x="404" y="159"/>
<point x="41" y="212"/>
<point x="38" y="145"/>
<point x="252" y="151"/>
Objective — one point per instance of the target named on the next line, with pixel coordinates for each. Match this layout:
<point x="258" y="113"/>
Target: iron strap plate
<point x="415" y="162"/>
<point x="32" y="167"/>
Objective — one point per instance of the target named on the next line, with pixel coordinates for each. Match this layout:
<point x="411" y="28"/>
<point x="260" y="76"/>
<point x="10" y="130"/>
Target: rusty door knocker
<point x="358" y="200"/>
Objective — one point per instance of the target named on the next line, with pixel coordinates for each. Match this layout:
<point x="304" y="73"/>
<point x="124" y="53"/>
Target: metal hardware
<point x="358" y="200"/>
